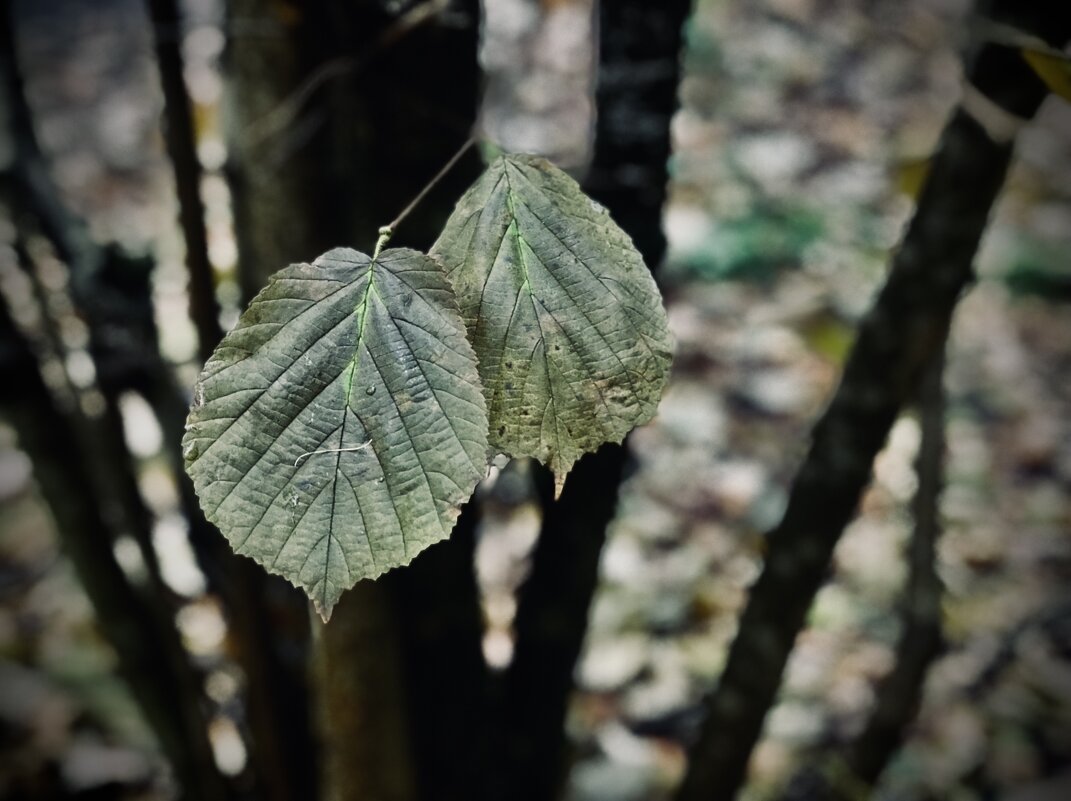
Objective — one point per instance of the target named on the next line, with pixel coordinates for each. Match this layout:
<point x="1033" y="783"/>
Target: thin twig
<point x="287" y="111"/>
<point x="387" y="231"/>
<point x="454" y="159"/>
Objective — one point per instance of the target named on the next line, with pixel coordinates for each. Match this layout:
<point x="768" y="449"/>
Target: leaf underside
<point x="339" y="427"/>
<point x="565" y="318"/>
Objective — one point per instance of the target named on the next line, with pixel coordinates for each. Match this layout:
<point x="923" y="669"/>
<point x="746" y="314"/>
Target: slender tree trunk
<point x="900" y="335"/>
<point x="851" y="772"/>
<point x="279" y="211"/>
<point x="359" y="671"/>
<point x="409" y="121"/>
<point x="900" y="694"/>
<point x="181" y="143"/>
<point x="278" y="205"/>
<point x="438" y="603"/>
<point x="636" y="96"/>
<point x="530" y="752"/>
<point x="639" y="71"/>
<point x="336" y="124"/>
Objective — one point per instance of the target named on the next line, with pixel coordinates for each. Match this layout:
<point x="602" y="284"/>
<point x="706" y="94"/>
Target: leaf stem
<point x="387" y="231"/>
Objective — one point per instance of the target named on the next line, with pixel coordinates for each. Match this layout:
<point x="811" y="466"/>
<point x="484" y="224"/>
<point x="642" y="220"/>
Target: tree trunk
<point x="336" y="123"/>
<point x="359" y="673"/>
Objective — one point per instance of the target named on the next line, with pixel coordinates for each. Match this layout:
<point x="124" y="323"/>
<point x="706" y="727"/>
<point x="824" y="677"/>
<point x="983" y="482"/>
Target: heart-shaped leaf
<point x="339" y="427"/>
<point x="565" y="319"/>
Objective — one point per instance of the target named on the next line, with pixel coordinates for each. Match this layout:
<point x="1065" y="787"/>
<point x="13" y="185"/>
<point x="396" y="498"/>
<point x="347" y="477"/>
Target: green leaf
<point x="339" y="427"/>
<point x="565" y="319"/>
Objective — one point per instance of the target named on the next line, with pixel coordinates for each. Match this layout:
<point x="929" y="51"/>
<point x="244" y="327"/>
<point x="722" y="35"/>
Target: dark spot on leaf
<point x="501" y="430"/>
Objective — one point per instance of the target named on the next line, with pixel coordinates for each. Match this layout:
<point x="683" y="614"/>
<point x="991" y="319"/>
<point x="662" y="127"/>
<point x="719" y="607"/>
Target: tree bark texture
<point x="897" y="338"/>
<point x="529" y="752"/>
<point x="639" y="71"/>
<point x="437" y="598"/>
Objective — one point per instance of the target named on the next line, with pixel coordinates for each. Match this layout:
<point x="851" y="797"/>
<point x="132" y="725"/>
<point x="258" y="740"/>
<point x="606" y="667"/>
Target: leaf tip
<point x="559" y="483"/>
<point x="323" y="610"/>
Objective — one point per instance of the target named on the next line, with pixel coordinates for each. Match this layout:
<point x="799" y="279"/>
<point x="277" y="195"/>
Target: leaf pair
<point x="338" y="429"/>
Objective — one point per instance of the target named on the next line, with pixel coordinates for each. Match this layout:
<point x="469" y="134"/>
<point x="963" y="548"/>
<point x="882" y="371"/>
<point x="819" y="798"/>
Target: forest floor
<point x="804" y="128"/>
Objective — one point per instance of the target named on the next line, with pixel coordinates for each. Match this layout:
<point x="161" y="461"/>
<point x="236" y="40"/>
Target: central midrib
<point x="362" y="311"/>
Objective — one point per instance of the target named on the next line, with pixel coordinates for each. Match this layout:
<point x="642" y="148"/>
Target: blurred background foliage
<point x="804" y="127"/>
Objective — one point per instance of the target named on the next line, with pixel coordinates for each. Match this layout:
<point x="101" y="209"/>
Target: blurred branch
<point x="112" y="291"/>
<point x="266" y="617"/>
<point x="181" y="140"/>
<point x="267" y="623"/>
<point x="899" y="695"/>
<point x="41" y="217"/>
<point x="898" y="338"/>
<point x="528" y="756"/>
<point x="438" y="603"/>
<point x="114" y="477"/>
<point x="851" y="773"/>
<point x="289" y="108"/>
<point x="151" y="657"/>
<point x="24" y="164"/>
<point x="71" y="467"/>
